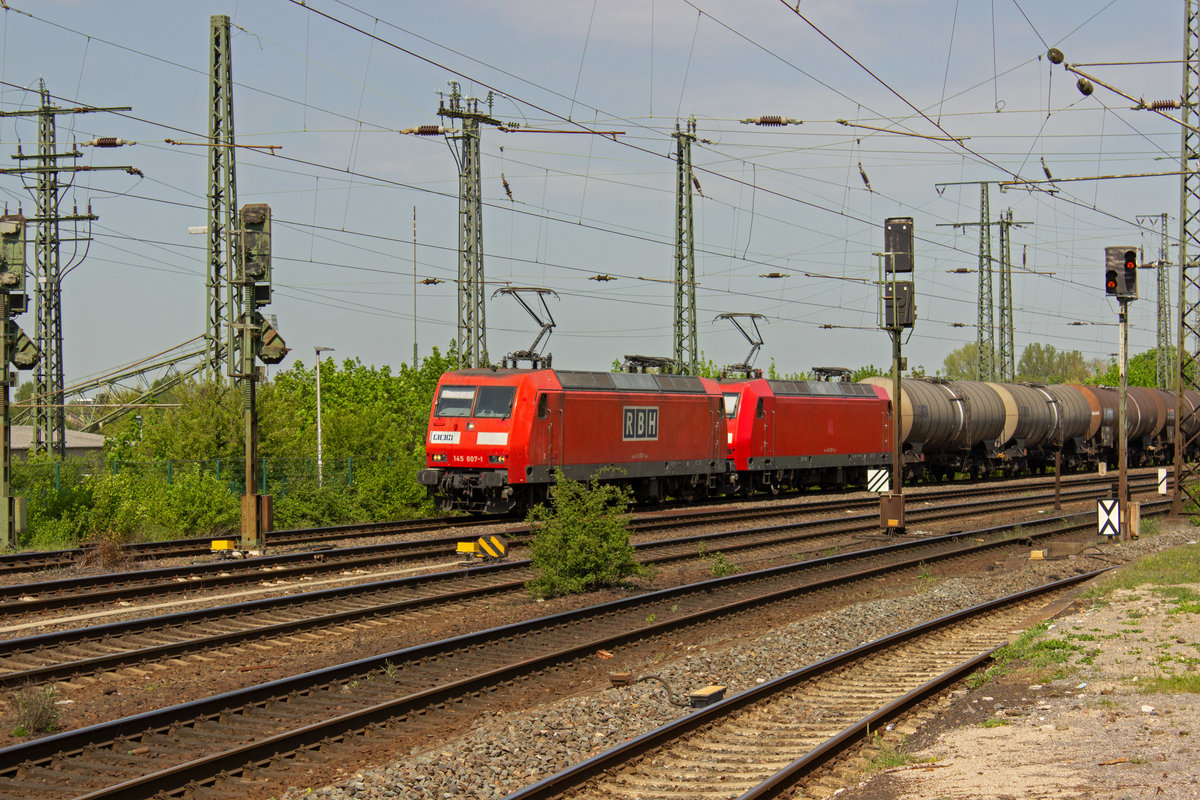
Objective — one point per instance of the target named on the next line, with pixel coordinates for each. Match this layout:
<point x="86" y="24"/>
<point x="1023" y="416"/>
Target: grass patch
<point x="1171" y="684"/>
<point x="719" y="565"/>
<point x="884" y="756"/>
<point x="993" y="722"/>
<point x="1033" y="655"/>
<point x="1180" y="565"/>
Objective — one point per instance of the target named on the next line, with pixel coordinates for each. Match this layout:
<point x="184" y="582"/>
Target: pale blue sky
<point x="789" y="200"/>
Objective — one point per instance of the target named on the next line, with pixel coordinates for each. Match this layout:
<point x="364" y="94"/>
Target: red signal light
<point x="1110" y="282"/>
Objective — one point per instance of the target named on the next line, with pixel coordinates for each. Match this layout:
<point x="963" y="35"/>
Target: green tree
<point x="1043" y="363"/>
<point x="869" y="371"/>
<point x="581" y="543"/>
<point x="775" y="374"/>
<point x="962" y="364"/>
<point x="1142" y="371"/>
<point x="178" y="470"/>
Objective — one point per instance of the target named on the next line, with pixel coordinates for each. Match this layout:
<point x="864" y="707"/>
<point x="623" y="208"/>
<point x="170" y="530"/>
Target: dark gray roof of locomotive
<point x="821" y="388"/>
<point x="629" y="382"/>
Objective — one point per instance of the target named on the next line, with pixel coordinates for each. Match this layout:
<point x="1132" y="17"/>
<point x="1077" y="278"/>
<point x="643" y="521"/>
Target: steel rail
<point x="575" y="776"/>
<point x="14" y="563"/>
<point x="624" y="619"/>
<point x="493" y="577"/>
<point x="31" y="598"/>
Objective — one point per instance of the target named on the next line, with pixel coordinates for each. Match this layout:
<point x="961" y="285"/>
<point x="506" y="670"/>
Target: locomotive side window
<point x="731" y="404"/>
<point x="758" y="408"/>
<point x="495" y="401"/>
<point x="543" y="409"/>
<point x="454" y="401"/>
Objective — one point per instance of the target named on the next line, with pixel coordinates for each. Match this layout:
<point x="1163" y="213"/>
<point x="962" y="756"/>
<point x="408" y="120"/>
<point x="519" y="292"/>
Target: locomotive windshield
<point x="494" y="401"/>
<point x="471" y="401"/>
<point x="454" y="401"/>
<point x="731" y="404"/>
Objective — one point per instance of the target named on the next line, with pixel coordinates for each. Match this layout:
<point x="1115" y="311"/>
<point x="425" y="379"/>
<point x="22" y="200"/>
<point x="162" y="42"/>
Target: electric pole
<point x="1007" y="366"/>
<point x="686" y="351"/>
<point x="223" y="305"/>
<point x="985" y="331"/>
<point x="46" y="187"/>
<point x="1186" y="491"/>
<point x="1162" y="346"/>
<point x="472" y="329"/>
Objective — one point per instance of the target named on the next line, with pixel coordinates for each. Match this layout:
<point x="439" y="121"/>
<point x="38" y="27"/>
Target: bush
<point x="37" y="711"/>
<point x="304" y="505"/>
<point x="581" y="543"/>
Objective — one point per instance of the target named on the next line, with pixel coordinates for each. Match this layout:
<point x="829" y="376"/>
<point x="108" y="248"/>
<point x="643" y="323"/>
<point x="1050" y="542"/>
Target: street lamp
<point x="317" y="355"/>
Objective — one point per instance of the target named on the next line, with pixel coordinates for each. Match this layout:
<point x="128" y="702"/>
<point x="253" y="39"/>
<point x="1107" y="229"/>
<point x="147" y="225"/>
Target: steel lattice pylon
<point x="222" y="348"/>
<point x="686" y="350"/>
<point x="50" y="420"/>
<point x="1187" y="488"/>
<point x="49" y="414"/>
<point x="472" y="323"/>
<point x="985" y="330"/>
<point x="1007" y="366"/>
<point x="1162" y="352"/>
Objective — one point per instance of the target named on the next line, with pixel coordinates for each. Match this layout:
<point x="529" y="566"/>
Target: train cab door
<point x="548" y="420"/>
<point x="764" y="433"/>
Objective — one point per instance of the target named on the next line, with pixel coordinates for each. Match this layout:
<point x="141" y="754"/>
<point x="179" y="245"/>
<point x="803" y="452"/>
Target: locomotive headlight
<point x="438" y="458"/>
<point x="496" y="459"/>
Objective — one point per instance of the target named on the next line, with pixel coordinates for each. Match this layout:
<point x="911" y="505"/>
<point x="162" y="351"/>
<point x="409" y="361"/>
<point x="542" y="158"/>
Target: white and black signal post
<point x="1120" y="280"/>
<point x="898" y="312"/>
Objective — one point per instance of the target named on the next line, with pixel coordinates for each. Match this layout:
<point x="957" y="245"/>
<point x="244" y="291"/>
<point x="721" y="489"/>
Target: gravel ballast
<point x="506" y="751"/>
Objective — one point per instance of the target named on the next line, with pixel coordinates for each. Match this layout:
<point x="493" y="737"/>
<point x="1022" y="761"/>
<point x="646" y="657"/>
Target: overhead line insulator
<point x="107" y="141"/>
<point x="771" y="120"/>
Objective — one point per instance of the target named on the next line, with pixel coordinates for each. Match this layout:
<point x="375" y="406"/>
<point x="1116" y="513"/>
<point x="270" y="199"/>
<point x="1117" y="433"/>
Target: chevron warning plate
<point x="879" y="480"/>
<point x="1108" y="517"/>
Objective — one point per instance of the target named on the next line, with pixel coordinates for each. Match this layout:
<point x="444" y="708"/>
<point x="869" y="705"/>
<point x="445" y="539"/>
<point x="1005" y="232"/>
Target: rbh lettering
<point x="640" y="423"/>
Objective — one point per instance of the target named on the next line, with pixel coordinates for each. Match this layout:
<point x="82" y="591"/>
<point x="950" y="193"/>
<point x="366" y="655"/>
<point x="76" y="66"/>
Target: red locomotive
<point x="791" y="434"/>
<point x="496" y="436"/>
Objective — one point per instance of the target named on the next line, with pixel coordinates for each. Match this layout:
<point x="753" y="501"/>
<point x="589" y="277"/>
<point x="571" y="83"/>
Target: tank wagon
<point x="977" y="428"/>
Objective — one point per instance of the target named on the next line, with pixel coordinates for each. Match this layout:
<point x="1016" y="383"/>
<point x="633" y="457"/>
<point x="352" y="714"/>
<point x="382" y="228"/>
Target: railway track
<point x="287" y="570"/>
<point x="16" y="563"/>
<point x="764" y="741"/>
<point x="83" y="650"/>
<point x="257" y="737"/>
<point x="79" y="651"/>
<point x="24" y="562"/>
<point x="763" y="543"/>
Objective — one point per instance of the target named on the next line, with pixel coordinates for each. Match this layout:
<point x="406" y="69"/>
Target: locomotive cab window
<point x="454" y="401"/>
<point x="495" y="401"/>
<point x="731" y="404"/>
<point x="758" y="408"/>
<point x="543" y="408"/>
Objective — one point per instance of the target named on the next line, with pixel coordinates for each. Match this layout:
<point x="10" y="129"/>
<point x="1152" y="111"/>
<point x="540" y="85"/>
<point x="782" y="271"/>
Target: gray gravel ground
<point x="505" y="752"/>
